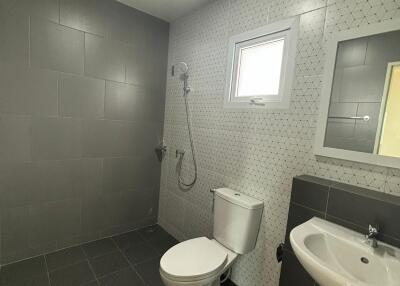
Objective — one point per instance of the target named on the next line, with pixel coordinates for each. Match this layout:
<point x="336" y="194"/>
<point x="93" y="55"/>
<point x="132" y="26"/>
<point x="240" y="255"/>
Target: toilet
<point x="201" y="261"/>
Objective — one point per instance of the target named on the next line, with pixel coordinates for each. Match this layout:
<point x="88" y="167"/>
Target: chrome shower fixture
<point x="183" y="68"/>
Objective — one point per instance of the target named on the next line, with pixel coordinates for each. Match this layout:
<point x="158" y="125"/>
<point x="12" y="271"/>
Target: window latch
<point x="256" y="101"/>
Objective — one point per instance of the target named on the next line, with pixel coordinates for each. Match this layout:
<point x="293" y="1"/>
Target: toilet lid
<point x="194" y="259"/>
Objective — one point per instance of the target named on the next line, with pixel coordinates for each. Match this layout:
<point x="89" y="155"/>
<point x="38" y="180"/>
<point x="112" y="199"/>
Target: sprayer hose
<point x="179" y="166"/>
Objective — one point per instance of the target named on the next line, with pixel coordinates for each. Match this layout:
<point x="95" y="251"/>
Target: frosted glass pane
<point x="259" y="69"/>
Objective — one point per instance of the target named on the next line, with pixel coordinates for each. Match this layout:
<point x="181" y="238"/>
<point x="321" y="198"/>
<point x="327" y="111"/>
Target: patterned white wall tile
<point x="280" y="9"/>
<point x="256" y="152"/>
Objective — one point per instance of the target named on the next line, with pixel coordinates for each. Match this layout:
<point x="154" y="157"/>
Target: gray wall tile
<point x="383" y="48"/>
<point x="51" y="221"/>
<point x="36" y="96"/>
<point x="130" y="102"/>
<point x="351" y="53"/>
<point x="124" y="101"/>
<point x="85" y="15"/>
<point x="367" y="129"/>
<point x="14" y="138"/>
<point x="14" y="35"/>
<point x="370" y="210"/>
<point x="340" y="128"/>
<point x="137" y="205"/>
<point x="15" y="222"/>
<point x="299" y="214"/>
<point x="146" y="62"/>
<point x="105" y="58"/>
<point x="137" y="62"/>
<point x="126" y="25"/>
<point x="56" y="138"/>
<point x="363" y="84"/>
<point x="131" y="173"/>
<point x="343" y="109"/>
<point x="81" y="96"/>
<point x="46" y="9"/>
<point x="103" y="138"/>
<point x="53" y="117"/>
<point x="309" y="194"/>
<point x="29" y="183"/>
<point x="56" y="47"/>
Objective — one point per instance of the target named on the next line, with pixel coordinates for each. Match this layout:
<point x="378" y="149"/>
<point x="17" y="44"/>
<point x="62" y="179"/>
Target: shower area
<point x="82" y="94"/>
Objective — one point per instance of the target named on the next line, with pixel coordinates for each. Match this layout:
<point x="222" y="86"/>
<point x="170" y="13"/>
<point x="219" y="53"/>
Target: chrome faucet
<point x="372" y="235"/>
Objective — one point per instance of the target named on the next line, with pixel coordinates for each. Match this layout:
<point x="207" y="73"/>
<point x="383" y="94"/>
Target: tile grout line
<point x="131" y="266"/>
<point x="90" y="265"/>
<point x="94" y="273"/>
<point x="29" y="41"/>
<point x="327" y="202"/>
<point x="47" y="269"/>
<point x="87" y="258"/>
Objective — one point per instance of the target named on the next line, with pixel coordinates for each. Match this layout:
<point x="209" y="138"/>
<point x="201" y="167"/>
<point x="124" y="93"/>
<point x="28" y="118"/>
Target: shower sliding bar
<point x="365" y="117"/>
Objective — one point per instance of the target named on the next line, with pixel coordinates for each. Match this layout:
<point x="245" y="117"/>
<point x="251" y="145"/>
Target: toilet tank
<point x="237" y="220"/>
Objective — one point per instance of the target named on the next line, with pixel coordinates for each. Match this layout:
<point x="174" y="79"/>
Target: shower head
<point x="183" y="68"/>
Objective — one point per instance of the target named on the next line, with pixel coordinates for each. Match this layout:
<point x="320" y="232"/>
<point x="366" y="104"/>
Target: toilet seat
<point x="193" y="260"/>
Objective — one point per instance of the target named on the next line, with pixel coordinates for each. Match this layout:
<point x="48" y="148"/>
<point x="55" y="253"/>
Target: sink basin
<point x="336" y="256"/>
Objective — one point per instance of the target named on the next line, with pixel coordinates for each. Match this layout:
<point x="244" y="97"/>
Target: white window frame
<point x="287" y="29"/>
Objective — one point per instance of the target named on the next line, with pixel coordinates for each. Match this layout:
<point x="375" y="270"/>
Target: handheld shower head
<point x="183" y="67"/>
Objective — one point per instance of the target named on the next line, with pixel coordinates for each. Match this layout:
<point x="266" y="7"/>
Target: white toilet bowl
<point x="201" y="261"/>
<point x="195" y="262"/>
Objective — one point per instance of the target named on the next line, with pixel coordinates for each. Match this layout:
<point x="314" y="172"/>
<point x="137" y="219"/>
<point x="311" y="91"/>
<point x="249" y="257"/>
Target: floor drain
<point x="364" y="260"/>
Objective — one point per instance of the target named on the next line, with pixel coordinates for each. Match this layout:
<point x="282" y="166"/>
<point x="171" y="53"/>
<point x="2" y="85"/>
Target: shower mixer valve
<point x="179" y="152"/>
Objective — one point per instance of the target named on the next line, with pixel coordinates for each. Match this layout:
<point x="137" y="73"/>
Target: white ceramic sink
<point x="336" y="256"/>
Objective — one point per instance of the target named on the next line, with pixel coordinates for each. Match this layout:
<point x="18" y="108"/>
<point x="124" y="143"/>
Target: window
<point x="261" y="66"/>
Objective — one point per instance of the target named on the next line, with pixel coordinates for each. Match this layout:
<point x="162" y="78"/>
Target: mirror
<point x="360" y="109"/>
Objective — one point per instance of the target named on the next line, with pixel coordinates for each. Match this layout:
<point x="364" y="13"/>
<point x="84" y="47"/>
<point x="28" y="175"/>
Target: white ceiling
<point x="168" y="10"/>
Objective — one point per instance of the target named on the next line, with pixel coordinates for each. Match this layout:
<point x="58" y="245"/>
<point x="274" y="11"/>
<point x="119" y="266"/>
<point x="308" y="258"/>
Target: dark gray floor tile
<point x="93" y="283"/>
<point x="65" y="257"/>
<point x="125" y="277"/>
<point x="139" y="253"/>
<point x="70" y="267"/>
<point x="108" y="263"/>
<point x="73" y="275"/>
<point x="38" y="280"/>
<point x="19" y="273"/>
<point x="158" y="238"/>
<point x="152" y="232"/>
<point x="149" y="272"/>
<point x="99" y="247"/>
<point x="128" y="239"/>
<point x="163" y="243"/>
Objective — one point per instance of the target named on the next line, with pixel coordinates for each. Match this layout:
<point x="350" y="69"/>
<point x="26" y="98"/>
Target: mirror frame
<point x="329" y="69"/>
